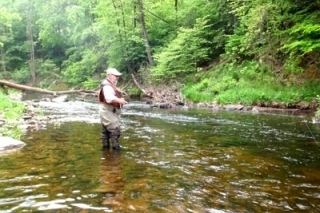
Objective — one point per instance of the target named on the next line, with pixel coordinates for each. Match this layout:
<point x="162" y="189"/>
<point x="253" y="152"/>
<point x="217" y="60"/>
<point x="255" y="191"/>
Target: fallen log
<point x="39" y="90"/>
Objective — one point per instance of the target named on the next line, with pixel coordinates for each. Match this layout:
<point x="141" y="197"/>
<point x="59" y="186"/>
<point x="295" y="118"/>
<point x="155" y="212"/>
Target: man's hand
<point x="121" y="101"/>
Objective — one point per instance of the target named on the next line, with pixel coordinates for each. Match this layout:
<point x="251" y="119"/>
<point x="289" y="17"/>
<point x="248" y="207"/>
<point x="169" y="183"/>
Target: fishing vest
<point x="101" y="97"/>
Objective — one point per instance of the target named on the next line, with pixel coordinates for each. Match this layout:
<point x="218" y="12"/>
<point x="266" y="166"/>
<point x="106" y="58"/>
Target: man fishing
<point x="110" y="105"/>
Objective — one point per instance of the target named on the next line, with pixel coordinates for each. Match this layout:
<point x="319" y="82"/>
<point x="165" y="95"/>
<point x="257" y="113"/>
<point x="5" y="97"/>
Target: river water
<point x="176" y="160"/>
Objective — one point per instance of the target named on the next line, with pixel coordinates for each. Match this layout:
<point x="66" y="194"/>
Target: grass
<point x="248" y="84"/>
<point x="11" y="111"/>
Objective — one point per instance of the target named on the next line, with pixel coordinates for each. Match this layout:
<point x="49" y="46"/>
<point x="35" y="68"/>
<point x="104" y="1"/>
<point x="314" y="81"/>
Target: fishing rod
<point x="311" y="133"/>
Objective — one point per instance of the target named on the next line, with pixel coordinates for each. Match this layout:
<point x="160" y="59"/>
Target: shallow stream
<point x="178" y="160"/>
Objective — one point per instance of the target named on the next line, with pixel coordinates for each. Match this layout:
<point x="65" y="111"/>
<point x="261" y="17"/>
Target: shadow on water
<point x="171" y="161"/>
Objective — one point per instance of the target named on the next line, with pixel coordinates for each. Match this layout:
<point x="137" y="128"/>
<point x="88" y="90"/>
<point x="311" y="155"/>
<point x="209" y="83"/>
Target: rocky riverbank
<point x="32" y="120"/>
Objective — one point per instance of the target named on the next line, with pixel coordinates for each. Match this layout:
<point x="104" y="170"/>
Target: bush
<point x="11" y="111"/>
<point x="21" y="75"/>
<point x="90" y="84"/>
<point x="247" y="83"/>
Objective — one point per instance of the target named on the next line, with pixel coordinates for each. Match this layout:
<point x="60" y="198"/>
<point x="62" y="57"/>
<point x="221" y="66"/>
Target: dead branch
<point x="138" y="85"/>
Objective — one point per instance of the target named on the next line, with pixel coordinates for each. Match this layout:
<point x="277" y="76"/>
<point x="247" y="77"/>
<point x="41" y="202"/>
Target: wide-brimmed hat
<point x="113" y="71"/>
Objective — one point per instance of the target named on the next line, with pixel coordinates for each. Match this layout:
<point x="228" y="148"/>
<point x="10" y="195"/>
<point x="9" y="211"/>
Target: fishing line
<point x="311" y="134"/>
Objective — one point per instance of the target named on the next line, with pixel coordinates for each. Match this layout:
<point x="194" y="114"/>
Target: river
<point x="173" y="160"/>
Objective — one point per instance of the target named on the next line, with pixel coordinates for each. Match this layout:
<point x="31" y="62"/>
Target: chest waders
<point x="111" y="131"/>
<point x="113" y="136"/>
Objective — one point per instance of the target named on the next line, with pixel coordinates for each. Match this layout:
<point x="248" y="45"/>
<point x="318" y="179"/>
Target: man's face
<point x="113" y="78"/>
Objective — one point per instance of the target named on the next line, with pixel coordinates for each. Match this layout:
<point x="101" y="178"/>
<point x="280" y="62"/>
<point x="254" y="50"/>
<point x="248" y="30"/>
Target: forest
<point x="261" y="52"/>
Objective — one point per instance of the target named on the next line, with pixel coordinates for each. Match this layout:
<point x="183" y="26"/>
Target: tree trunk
<point x="3" y="62"/>
<point x="32" y="63"/>
<point x="144" y="32"/>
<point x="115" y="6"/>
<point x="176" y="9"/>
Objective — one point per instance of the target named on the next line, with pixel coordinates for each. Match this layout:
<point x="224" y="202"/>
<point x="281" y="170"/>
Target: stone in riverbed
<point x="10" y="144"/>
<point x="60" y="99"/>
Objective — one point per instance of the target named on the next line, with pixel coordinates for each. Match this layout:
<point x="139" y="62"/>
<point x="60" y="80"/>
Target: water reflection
<point x="172" y="161"/>
<point x="111" y="179"/>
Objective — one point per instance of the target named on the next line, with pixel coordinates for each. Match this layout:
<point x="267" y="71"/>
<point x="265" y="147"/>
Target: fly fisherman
<point x="110" y="104"/>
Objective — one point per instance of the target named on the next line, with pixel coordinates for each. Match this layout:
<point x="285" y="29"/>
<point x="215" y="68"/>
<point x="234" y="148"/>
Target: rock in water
<point x="10" y="144"/>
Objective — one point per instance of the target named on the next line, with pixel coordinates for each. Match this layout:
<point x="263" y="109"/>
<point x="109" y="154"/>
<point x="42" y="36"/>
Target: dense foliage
<point x="223" y="50"/>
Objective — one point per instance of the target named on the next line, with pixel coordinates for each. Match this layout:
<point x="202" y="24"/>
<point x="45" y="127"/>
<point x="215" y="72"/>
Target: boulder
<point x="10" y="144"/>
<point x="60" y="99"/>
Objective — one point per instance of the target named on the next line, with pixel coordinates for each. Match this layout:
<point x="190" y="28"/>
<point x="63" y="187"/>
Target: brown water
<point x="171" y="161"/>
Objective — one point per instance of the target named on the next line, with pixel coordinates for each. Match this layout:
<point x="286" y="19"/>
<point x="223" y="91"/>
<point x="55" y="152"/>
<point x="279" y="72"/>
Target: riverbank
<point x="169" y="100"/>
<point x="17" y="117"/>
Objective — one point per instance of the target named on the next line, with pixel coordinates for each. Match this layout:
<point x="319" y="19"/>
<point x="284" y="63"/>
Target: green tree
<point x="200" y="41"/>
<point x="185" y="53"/>
<point x="6" y="19"/>
<point x="302" y="43"/>
<point x="120" y="37"/>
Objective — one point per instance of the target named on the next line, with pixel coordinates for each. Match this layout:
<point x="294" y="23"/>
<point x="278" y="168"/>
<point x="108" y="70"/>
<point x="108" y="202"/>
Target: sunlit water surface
<point x="182" y="160"/>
